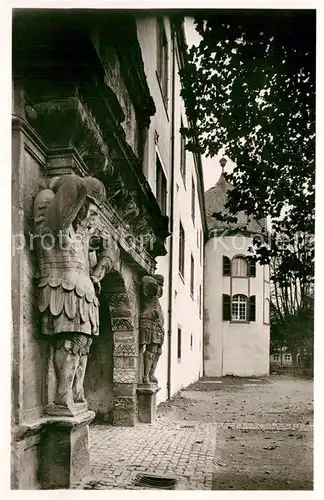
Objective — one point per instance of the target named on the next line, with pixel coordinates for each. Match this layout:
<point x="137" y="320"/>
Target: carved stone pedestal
<point x="64" y="411"/>
<point x="65" y="457"/>
<point x="146" y="397"/>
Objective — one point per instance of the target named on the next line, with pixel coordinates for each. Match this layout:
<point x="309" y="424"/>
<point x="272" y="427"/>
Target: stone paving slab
<point x="213" y="426"/>
<point x="211" y="381"/>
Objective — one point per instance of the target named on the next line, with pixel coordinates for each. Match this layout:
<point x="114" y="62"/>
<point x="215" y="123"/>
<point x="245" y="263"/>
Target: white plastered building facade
<point x="181" y="362"/>
<point x="236" y="295"/>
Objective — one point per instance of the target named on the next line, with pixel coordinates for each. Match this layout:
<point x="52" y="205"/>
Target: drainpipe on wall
<point x="170" y="297"/>
<point x="204" y="241"/>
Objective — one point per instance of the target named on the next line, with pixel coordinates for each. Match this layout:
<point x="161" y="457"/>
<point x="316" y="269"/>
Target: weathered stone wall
<point x="34" y="347"/>
<point x="28" y="355"/>
<point x="29" y="351"/>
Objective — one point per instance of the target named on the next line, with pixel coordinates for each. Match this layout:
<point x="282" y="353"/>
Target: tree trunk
<point x="294" y="362"/>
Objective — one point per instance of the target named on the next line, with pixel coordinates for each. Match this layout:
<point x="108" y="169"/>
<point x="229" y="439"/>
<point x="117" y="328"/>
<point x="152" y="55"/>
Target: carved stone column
<point x="125" y="351"/>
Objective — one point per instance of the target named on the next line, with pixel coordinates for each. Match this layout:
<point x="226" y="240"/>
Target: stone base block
<point x="25" y="451"/>
<point x="65" y="457"/>
<point x="124" y="418"/>
<point x="146" y="400"/>
<point x="124" y="411"/>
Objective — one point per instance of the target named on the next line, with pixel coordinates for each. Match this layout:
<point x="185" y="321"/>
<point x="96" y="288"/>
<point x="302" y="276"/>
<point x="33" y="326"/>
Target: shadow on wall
<point x="98" y="382"/>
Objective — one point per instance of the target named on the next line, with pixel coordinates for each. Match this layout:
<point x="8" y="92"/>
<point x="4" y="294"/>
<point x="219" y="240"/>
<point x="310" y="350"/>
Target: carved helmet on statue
<point x="71" y="192"/>
<point x="149" y="286"/>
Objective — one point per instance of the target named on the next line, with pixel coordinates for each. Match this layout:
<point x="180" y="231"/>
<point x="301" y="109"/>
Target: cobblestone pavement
<point x="169" y="448"/>
<point x="194" y="434"/>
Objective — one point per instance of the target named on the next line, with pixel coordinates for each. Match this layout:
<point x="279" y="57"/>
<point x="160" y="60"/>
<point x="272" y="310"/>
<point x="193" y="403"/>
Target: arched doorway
<point x="111" y="377"/>
<point x="98" y="383"/>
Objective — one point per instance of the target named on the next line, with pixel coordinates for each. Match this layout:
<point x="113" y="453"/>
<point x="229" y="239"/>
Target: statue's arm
<point x="103" y="265"/>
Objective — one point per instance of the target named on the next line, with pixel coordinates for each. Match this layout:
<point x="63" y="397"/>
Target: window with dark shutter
<point x="183" y="156"/>
<point x="226" y="307"/>
<point x="226" y="266"/>
<point x="252" y="268"/>
<point x="162" y="58"/>
<point x="193" y="202"/>
<point x="192" y="276"/>
<point x="179" y="344"/>
<point x="181" y="250"/>
<point x="252" y="308"/>
<point x="161" y="187"/>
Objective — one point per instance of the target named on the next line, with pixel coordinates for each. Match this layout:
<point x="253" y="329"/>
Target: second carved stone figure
<point x="151" y="325"/>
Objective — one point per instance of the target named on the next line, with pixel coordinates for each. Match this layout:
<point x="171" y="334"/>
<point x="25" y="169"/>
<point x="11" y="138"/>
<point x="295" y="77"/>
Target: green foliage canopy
<point x="249" y="88"/>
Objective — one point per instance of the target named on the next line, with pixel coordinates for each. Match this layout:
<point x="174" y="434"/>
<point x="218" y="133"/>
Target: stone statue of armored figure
<point x="151" y="325"/>
<point x="66" y="218"/>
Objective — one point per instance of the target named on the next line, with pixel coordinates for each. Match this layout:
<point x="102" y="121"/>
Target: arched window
<point x="239" y="308"/>
<point x="239" y="266"/>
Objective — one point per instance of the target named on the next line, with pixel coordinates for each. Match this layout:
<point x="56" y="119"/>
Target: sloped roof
<point x="215" y="200"/>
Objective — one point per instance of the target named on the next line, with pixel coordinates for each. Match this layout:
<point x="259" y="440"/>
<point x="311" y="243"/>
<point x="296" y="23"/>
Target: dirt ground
<point x="264" y="433"/>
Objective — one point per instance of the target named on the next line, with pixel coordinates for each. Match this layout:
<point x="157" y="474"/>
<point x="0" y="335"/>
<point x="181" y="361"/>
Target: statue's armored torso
<point x="151" y="322"/>
<point x="67" y="297"/>
<point x="66" y="294"/>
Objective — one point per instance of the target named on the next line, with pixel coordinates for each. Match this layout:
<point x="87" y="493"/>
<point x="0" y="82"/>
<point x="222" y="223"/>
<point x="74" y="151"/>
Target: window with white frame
<point x="287" y="357"/>
<point x="239" y="308"/>
<point x="276" y="357"/>
<point x="239" y="267"/>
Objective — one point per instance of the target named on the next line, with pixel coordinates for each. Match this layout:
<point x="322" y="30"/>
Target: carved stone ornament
<point x="151" y="325"/>
<point x="66" y="218"/>
<point x="68" y="122"/>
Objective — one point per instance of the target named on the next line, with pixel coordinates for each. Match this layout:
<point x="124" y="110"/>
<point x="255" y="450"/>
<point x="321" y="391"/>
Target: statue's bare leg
<point x="78" y="391"/>
<point x="149" y="355"/>
<point x="65" y="364"/>
<point x="154" y="364"/>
